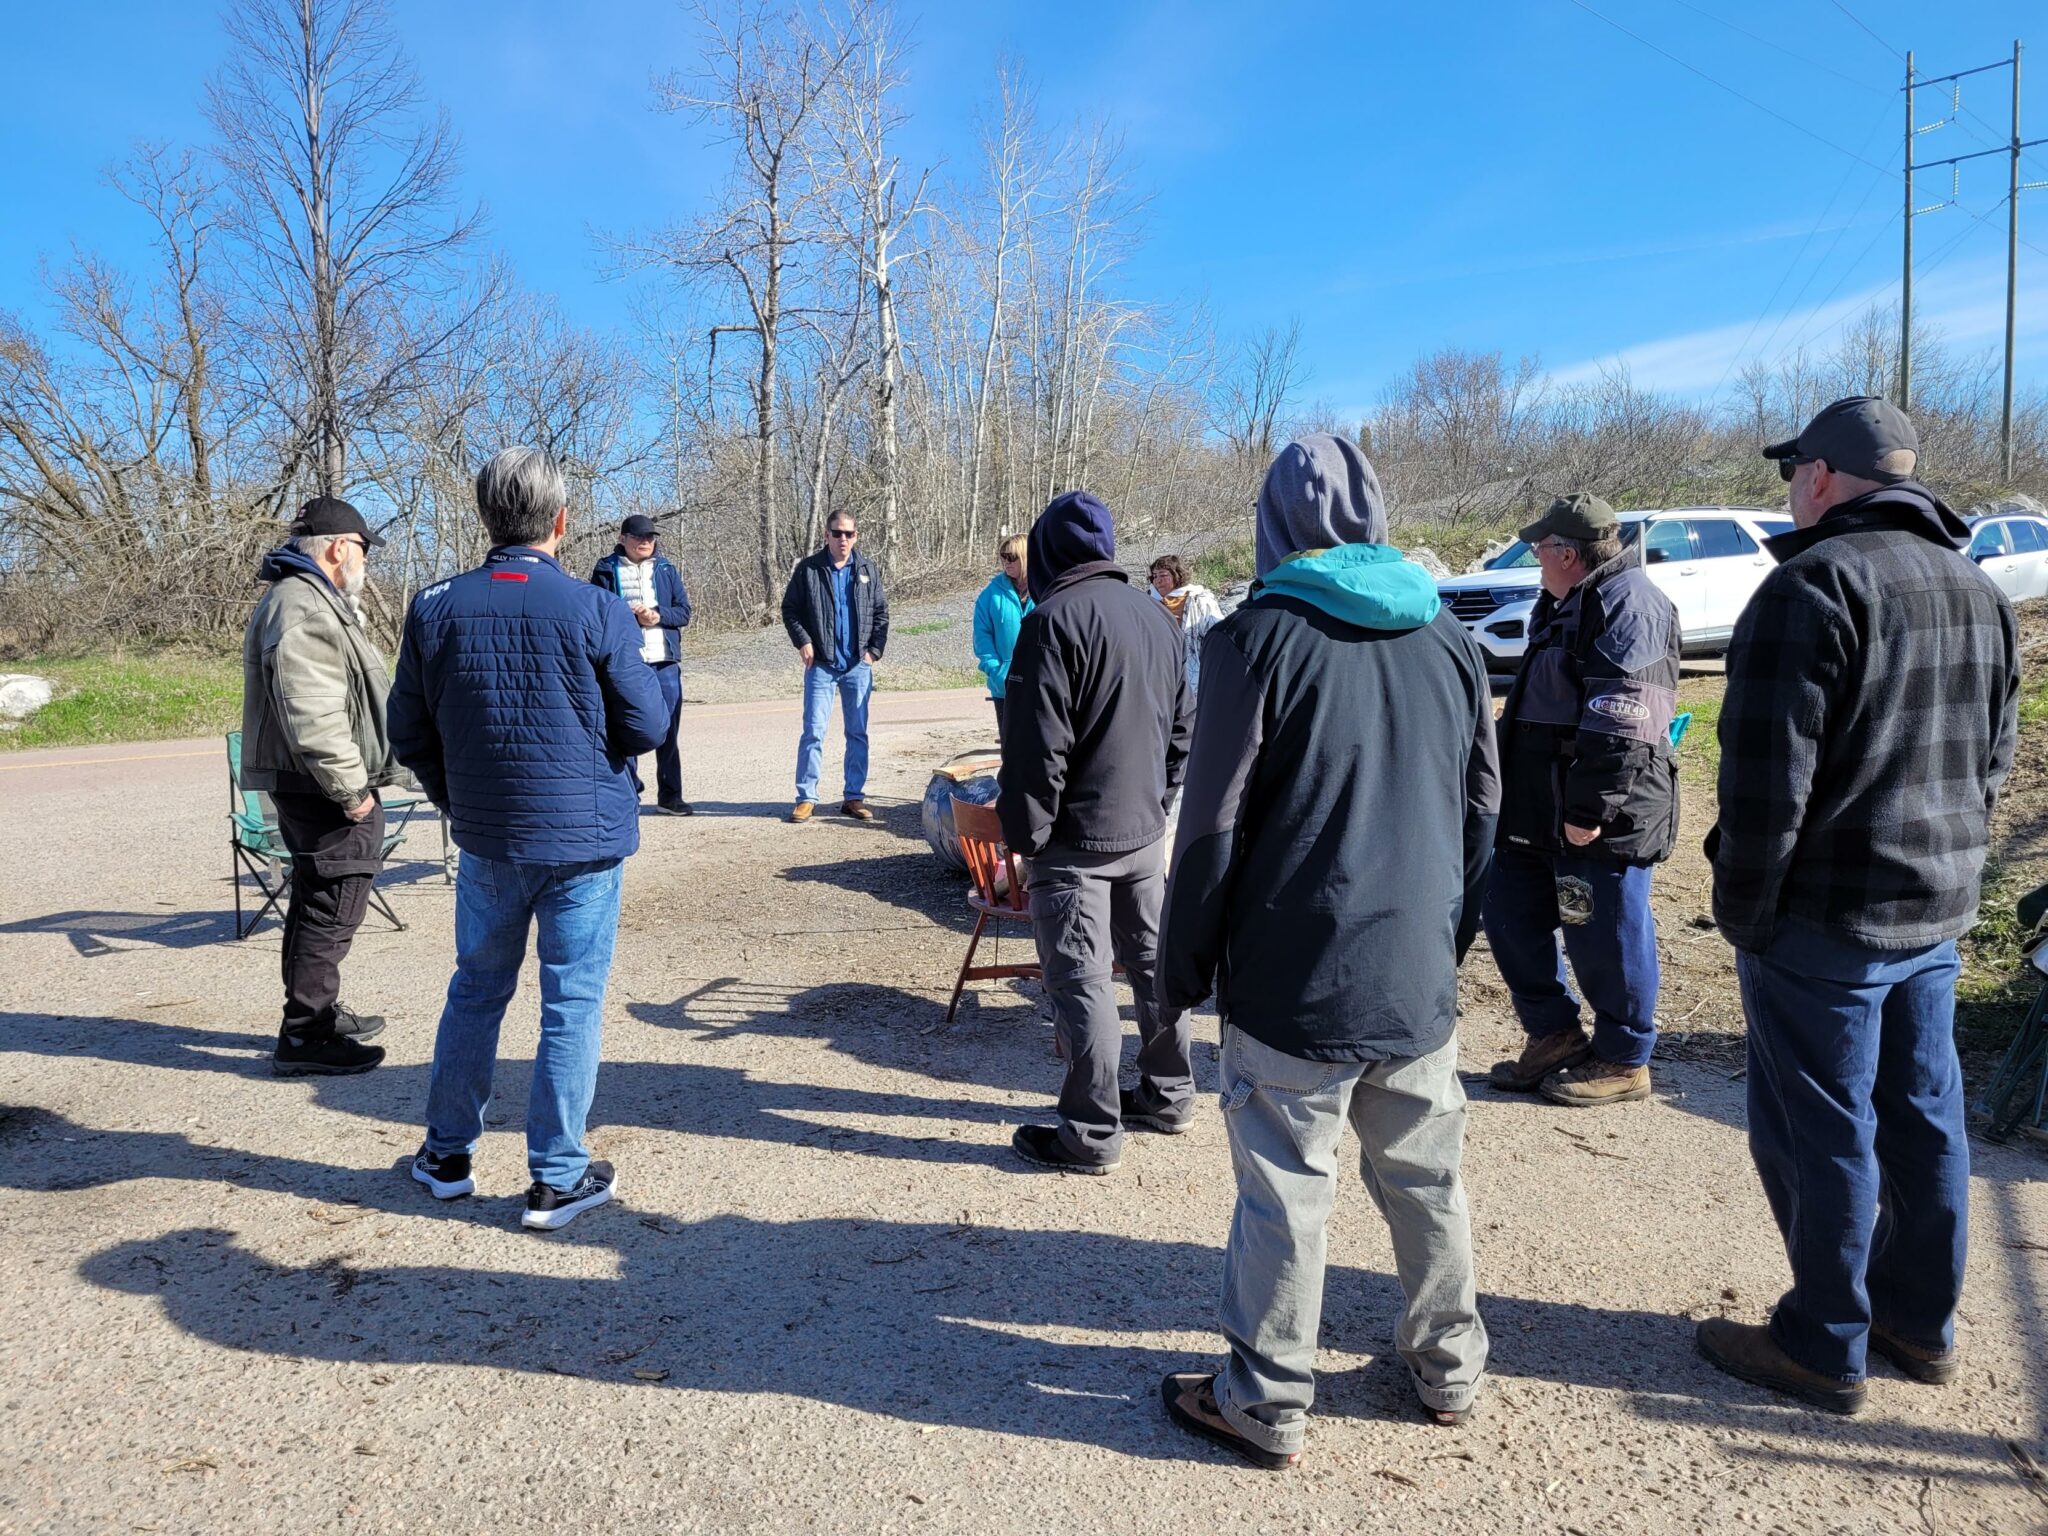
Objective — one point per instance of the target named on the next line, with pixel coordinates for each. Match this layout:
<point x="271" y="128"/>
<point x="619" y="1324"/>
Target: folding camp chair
<point x="998" y="893"/>
<point x="255" y="845"/>
<point x="1679" y="722"/>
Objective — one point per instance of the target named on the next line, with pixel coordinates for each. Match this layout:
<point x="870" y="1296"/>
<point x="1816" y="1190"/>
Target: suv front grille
<point x="1469" y="606"/>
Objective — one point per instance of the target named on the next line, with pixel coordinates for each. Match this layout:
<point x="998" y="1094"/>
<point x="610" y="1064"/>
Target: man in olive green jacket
<point x="313" y="737"/>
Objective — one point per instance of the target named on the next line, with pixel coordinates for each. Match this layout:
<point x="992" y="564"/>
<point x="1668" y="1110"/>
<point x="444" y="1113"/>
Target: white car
<point x="1708" y="560"/>
<point x="2012" y="547"/>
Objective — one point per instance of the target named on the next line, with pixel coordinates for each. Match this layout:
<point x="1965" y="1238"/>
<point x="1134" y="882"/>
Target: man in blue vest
<point x="653" y="590"/>
<point x="837" y="617"/>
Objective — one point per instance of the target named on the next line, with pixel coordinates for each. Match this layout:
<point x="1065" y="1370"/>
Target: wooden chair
<point x="997" y="894"/>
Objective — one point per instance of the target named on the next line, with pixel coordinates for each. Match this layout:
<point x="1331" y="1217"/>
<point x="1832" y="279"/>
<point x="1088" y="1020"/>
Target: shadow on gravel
<point x="923" y="1322"/>
<point x="105" y="933"/>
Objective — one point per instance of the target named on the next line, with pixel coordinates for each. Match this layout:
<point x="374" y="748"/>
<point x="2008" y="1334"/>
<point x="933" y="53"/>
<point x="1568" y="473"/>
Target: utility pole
<point x="1906" y="276"/>
<point x="2012" y="268"/>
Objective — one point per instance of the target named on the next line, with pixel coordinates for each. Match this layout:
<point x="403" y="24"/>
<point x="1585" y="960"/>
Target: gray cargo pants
<point x="1285" y="1116"/>
<point x="1088" y="909"/>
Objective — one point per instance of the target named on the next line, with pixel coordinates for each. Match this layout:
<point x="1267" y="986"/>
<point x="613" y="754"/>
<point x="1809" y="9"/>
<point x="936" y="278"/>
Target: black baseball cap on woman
<point x="1863" y="436"/>
<point x="329" y="515"/>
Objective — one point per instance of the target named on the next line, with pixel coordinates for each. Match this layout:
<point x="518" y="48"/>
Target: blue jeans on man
<point x="1602" y="910"/>
<point x="668" y="757"/>
<point x="576" y="910"/>
<point x="1856" y="1126"/>
<point x="852" y="687"/>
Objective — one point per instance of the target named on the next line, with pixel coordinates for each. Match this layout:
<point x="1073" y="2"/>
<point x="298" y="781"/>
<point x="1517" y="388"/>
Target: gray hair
<point x="518" y="493"/>
<point x="1594" y="553"/>
<point x="313" y="545"/>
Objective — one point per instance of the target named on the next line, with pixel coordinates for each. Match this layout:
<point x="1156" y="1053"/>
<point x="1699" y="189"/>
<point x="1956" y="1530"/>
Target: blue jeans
<point x="1856" y="1126"/>
<point x="853" y="687"/>
<point x="668" y="757"/>
<point x="496" y="902"/>
<point x="1603" y="911"/>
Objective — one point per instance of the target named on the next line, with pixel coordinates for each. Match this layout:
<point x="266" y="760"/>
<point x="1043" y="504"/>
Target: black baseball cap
<point x="329" y="515"/>
<point x="1580" y="515"/>
<point x="639" y="526"/>
<point x="1863" y="436"/>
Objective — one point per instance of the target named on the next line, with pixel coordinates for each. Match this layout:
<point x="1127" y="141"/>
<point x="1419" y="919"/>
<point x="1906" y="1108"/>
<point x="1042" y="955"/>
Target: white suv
<point x="1708" y="560"/>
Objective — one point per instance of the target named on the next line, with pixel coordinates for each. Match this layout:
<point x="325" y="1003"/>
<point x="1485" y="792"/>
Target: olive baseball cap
<point x="1863" y="436"/>
<point x="1580" y="515"/>
<point x="331" y="515"/>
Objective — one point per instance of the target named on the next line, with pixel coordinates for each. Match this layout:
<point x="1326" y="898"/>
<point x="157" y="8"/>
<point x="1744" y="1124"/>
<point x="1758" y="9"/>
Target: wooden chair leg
<point x="960" y="985"/>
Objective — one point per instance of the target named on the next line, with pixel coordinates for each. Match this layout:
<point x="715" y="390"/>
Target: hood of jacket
<point x="1908" y="506"/>
<point x="1001" y="587"/>
<point x="285" y="561"/>
<point x="1319" y="493"/>
<point x="1369" y="585"/>
<point x="1075" y="529"/>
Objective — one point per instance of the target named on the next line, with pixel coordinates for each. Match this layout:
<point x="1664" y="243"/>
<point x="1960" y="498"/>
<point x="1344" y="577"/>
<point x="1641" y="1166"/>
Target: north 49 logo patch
<point x="1619" y="706"/>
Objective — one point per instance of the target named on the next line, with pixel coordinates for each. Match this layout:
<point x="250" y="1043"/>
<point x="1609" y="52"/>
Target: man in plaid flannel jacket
<point x="1873" y="684"/>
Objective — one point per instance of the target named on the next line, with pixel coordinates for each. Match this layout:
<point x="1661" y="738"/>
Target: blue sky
<point x="1513" y="174"/>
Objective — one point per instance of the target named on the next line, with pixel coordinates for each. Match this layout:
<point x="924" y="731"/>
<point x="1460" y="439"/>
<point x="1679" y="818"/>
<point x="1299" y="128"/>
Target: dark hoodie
<point x="1338" y="822"/>
<point x="1873" y="686"/>
<point x="285" y="561"/>
<point x="1096" y="710"/>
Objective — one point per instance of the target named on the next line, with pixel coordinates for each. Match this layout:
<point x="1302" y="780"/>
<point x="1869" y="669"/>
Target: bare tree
<point x="341" y="195"/>
<point x="1252" y="393"/>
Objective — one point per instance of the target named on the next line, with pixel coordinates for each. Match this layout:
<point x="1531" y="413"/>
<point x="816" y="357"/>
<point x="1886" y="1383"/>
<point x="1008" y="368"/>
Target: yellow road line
<point x="94" y="762"/>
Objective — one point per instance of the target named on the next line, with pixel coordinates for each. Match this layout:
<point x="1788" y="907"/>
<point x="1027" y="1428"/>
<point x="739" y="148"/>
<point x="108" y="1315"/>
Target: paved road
<point x="827" y="1299"/>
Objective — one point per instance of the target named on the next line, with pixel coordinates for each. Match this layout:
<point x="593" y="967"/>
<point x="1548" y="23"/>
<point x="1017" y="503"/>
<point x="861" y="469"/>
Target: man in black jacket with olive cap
<point x="1096" y="725"/>
<point x="1333" y="845"/>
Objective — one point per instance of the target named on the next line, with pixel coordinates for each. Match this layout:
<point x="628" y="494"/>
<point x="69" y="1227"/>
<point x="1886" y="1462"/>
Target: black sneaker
<point x="549" y="1209"/>
<point x="356" y="1026"/>
<point x="322" y="1056"/>
<point x="675" y="808"/>
<point x="1041" y="1144"/>
<point x="1140" y="1115"/>
<point x="447" y="1178"/>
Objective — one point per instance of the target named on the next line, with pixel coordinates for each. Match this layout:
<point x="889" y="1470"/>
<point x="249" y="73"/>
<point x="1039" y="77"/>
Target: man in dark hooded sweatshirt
<point x="1333" y="848"/>
<point x="1096" y="725"/>
<point x="1873" y="687"/>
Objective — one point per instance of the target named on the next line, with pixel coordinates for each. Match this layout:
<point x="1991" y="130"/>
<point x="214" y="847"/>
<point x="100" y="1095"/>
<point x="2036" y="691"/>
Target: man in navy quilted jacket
<point x="521" y="701"/>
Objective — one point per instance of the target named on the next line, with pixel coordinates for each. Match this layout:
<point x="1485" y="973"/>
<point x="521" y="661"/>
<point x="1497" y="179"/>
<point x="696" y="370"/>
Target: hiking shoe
<point x="1597" y="1082"/>
<point x="549" y="1209"/>
<point x="1747" y="1351"/>
<point x="675" y="808"/>
<point x="857" y="809"/>
<point x="1936" y="1367"/>
<point x="447" y="1178"/>
<point x="802" y="811"/>
<point x="1541" y="1056"/>
<point x="1139" y="1114"/>
<point x="1041" y="1144"/>
<point x="322" y="1056"/>
<point x="356" y="1026"/>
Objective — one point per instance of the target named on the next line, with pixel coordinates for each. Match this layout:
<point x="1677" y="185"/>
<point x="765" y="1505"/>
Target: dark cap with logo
<point x="325" y="515"/>
<point x="1580" y="515"/>
<point x="1863" y="436"/>
<point x="639" y="526"/>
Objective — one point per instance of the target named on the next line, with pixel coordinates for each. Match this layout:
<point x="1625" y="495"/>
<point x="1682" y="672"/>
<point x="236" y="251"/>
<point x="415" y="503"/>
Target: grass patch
<point x="1997" y="986"/>
<point x="152" y="697"/>
<point x="1457" y="542"/>
<point x="1222" y="564"/>
<point x="1699" y="755"/>
<point x="929" y="627"/>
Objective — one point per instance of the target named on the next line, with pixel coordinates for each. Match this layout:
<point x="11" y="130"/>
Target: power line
<point x="1746" y="100"/>
<point x="1770" y="42"/>
<point x="1887" y="47"/>
<point x="1829" y="297"/>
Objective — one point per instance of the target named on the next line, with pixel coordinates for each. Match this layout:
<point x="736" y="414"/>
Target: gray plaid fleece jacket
<point x="1873" y="688"/>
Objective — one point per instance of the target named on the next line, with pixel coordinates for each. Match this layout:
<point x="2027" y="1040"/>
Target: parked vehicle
<point x="2013" y="549"/>
<point x="1707" y="559"/>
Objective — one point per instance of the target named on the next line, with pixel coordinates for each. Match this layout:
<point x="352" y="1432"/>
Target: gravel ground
<point x="827" y="1299"/>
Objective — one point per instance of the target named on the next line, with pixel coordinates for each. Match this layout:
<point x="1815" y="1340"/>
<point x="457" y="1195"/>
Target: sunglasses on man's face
<point x="1787" y="468"/>
<point x="839" y="533"/>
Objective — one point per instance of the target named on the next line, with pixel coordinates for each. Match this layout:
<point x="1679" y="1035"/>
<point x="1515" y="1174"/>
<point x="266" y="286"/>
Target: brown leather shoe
<point x="1935" y="1367"/>
<point x="1541" y="1056"/>
<point x="1598" y="1082"/>
<point x="1748" y="1351"/>
<point x="802" y="811"/>
<point x="858" y="810"/>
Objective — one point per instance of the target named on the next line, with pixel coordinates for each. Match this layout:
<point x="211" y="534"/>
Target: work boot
<point x="1541" y="1056"/>
<point x="858" y="810"/>
<point x="1936" y="1367"/>
<point x="1598" y="1082"/>
<point x="802" y="811"/>
<point x="1748" y="1351"/>
<point x="324" y="1055"/>
<point x="356" y="1026"/>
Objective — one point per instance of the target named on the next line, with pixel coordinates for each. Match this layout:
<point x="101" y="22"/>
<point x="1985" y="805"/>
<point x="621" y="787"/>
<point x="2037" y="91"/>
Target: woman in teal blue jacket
<point x="997" y="614"/>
